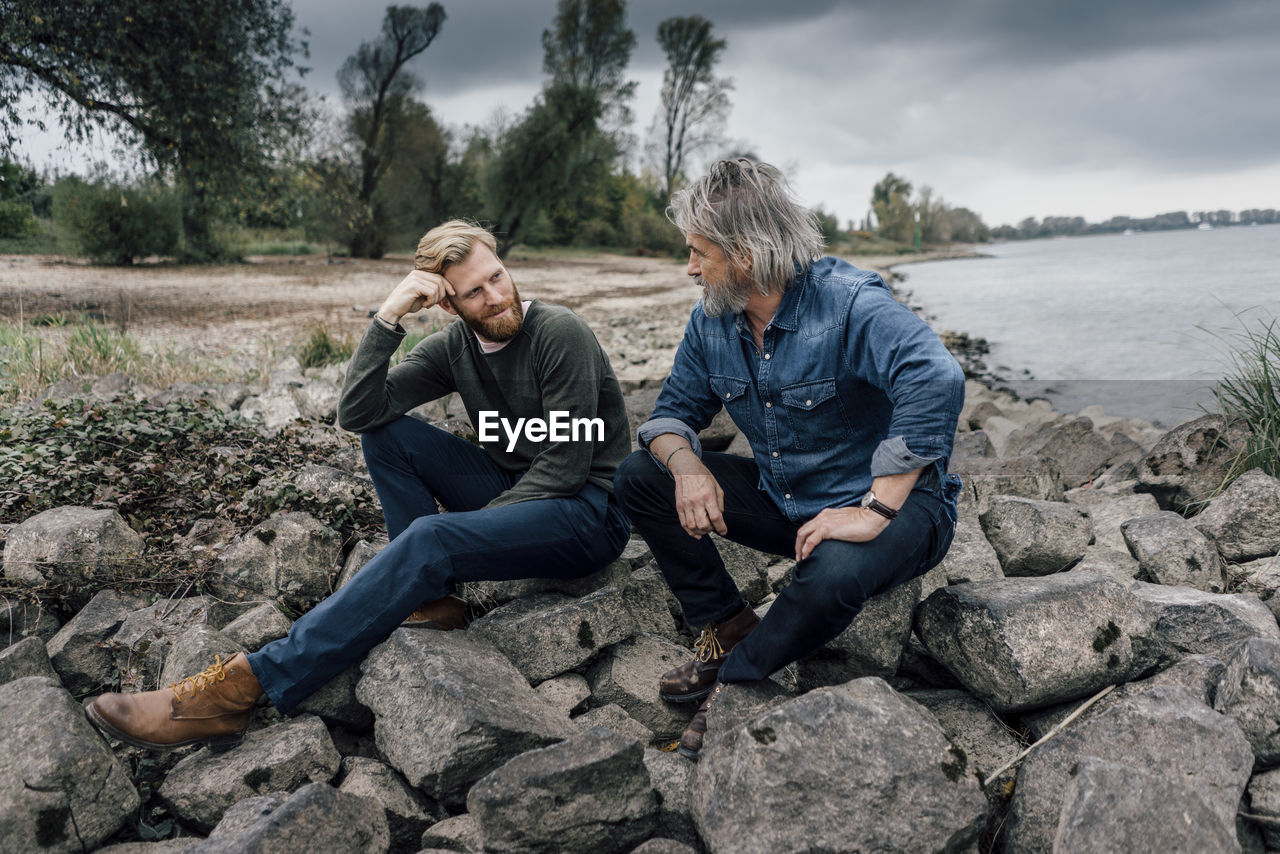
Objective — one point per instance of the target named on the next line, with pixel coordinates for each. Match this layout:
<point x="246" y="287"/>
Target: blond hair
<point x="449" y="243"/>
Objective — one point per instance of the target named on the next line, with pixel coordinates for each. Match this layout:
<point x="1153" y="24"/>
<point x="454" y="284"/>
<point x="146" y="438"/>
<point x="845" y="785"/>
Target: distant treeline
<point x="1059" y="226"/>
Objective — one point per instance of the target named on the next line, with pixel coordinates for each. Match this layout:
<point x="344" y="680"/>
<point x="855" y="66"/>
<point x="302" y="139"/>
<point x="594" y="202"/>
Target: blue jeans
<point x="413" y="464"/>
<point x="828" y="588"/>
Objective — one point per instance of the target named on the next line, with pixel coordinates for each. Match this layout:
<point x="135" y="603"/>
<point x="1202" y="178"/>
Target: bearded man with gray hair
<point x="850" y="404"/>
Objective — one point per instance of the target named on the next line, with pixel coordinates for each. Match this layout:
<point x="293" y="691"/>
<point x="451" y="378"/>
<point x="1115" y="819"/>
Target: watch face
<point x="868" y="498"/>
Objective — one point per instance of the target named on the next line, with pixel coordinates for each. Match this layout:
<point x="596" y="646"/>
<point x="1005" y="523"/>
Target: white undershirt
<point x="489" y="347"/>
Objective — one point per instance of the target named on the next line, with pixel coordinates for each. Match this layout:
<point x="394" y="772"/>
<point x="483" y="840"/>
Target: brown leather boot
<point x="691" y="739"/>
<point x="446" y="614"/>
<point x="212" y="706"/>
<point x="693" y="680"/>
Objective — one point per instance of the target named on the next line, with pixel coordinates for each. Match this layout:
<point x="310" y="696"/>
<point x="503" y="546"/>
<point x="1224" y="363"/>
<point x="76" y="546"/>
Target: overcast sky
<point x="1013" y="108"/>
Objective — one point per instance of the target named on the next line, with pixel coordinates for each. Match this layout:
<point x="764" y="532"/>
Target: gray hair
<point x="748" y="210"/>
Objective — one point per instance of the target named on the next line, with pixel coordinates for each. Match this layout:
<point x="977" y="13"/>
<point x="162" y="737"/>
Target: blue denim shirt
<point x="850" y="385"/>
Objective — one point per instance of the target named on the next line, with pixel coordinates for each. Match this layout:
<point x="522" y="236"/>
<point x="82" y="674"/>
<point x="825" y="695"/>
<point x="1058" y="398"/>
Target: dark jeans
<point x="412" y="464"/>
<point x="828" y="588"/>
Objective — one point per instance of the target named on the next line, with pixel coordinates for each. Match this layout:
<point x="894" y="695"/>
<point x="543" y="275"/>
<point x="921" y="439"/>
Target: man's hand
<point x="416" y="291"/>
<point x="699" y="498"/>
<point x="851" y="524"/>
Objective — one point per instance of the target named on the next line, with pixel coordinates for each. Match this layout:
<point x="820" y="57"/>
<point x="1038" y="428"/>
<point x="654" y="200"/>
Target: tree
<point x="588" y="47"/>
<point x="694" y="102"/>
<point x="378" y="90"/>
<point x="895" y="215"/>
<point x="202" y="88"/>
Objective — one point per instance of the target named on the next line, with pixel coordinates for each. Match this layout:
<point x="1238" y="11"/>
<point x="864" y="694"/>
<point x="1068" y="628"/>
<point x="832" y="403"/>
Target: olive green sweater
<point x="554" y="363"/>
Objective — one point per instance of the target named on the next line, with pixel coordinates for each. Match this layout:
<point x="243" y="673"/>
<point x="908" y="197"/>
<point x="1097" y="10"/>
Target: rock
<point x="613" y="718"/>
<point x="257" y="627"/>
<point x="408" y="813"/>
<point x="142" y="643"/>
<point x="970" y="558"/>
<point x="164" y="846"/>
<point x="494" y="593"/>
<point x="81" y="650"/>
<point x="998" y="430"/>
<point x="290" y="557"/>
<point x="275" y="408"/>
<point x="329" y="484"/>
<point x="1020" y="477"/>
<point x="1190" y="462"/>
<point x="1107" y="510"/>
<point x="748" y="568"/>
<point x="740" y="447"/>
<point x="1035" y="537"/>
<point x="669" y="773"/>
<point x="1244" y="521"/>
<point x="871" y="645"/>
<point x="1171" y="551"/>
<point x="987" y="741"/>
<point x="1264" y="800"/>
<point x="75" y="546"/>
<point x="1164" y="731"/>
<point x="663" y="846"/>
<point x="1102" y="560"/>
<point x="61" y="789"/>
<point x="836" y="756"/>
<point x="27" y="657"/>
<point x="547" y="635"/>
<point x="628" y="673"/>
<point x="1114" y="808"/>
<point x="1249" y="694"/>
<point x="194" y="650"/>
<point x="565" y="692"/>
<point x="974" y="444"/>
<point x="1182" y="621"/>
<point x="992" y="635"/>
<point x="740" y="702"/>
<point x="280" y="758"/>
<point x="1073" y="448"/>
<point x="361" y="553"/>
<point x="651" y="603"/>
<point x="588" y="794"/>
<point x="317" y="817"/>
<point x="458" y="833"/>
<point x="317" y="400"/>
<point x="21" y="619"/>
<point x="449" y="708"/>
<point x="336" y="702"/>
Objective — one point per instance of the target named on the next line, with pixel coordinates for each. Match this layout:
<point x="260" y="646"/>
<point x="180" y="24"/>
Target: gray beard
<point x="732" y="298"/>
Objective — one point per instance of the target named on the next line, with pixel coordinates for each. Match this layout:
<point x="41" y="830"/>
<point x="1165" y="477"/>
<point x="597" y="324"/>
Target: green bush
<point x="648" y="232"/>
<point x="320" y="348"/>
<point x="16" y="219"/>
<point x="1251" y="392"/>
<point x="117" y="224"/>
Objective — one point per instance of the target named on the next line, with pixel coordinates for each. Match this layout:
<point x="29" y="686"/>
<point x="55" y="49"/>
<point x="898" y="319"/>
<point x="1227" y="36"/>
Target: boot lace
<point x="213" y="673"/>
<point x="708" y="646"/>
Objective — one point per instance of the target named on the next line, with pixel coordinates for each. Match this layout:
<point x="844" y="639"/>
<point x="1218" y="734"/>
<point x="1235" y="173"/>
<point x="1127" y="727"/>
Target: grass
<point x="321" y="348"/>
<point x="1251" y="392"/>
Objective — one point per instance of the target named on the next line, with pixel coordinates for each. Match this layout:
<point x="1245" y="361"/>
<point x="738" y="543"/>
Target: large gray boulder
<point x="1244" y="521"/>
<point x="970" y="558"/>
<point x="493" y="593"/>
<point x="20" y="618"/>
<point x="1190" y="462"/>
<point x="1264" y="800"/>
<point x="872" y="644"/>
<point x="194" y="650"/>
<point x="361" y="553"/>
<point x="1115" y="808"/>
<point x="409" y="814"/>
<point x="1019" y="643"/>
<point x="547" y="635"/>
<point x="987" y="741"/>
<point x="867" y="768"/>
<point x="669" y="773"/>
<point x="628" y="674"/>
<point x="336" y="702"/>
<point x="142" y="643"/>
<point x="333" y="484"/>
<point x="1036" y="537"/>
<point x="1164" y="731"/>
<point x="81" y="650"/>
<point x="1073" y="448"/>
<point x="1108" y="509"/>
<point x="651" y="603"/>
<point x="61" y="789"/>
<point x="748" y="567"/>
<point x="317" y="400"/>
<point x="1249" y="694"/>
<point x="449" y="708"/>
<point x="275" y="408"/>
<point x="1182" y="621"/>
<point x="316" y="817"/>
<point x="566" y="692"/>
<point x="280" y="758"/>
<point x="290" y="557"/>
<point x="258" y="626"/>
<point x="588" y="794"/>
<point x="27" y="657"/>
<point x="1171" y="551"/>
<point x="1022" y="477"/>
<point x="75" y="546"/>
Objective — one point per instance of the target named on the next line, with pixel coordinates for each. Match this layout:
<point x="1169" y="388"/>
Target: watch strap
<point x="875" y="505"/>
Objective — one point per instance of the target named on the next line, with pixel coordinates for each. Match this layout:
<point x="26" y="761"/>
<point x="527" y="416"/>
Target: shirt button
<point x="726" y="395"/>
<point x="775" y="453"/>
<point x="768" y="405"/>
<point x="787" y="496"/>
<point x="767" y="355"/>
<point x="808" y="403"/>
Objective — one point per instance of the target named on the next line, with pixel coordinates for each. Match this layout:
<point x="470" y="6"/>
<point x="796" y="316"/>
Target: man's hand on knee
<point x="699" y="498"/>
<point x="851" y="524"/>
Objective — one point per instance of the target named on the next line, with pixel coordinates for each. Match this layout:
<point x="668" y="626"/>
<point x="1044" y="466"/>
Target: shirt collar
<point x="788" y="314"/>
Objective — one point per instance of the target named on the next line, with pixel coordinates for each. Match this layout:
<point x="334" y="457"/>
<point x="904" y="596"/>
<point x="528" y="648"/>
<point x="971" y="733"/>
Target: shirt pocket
<point x="732" y="394"/>
<point x="814" y="414"/>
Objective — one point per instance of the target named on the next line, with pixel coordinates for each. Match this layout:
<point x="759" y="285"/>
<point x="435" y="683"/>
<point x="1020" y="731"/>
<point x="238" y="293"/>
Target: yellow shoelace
<point x="212" y="673"/>
<point x="708" y="646"/>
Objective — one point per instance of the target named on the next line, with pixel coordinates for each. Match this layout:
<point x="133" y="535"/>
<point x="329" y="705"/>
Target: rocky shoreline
<point x="1091" y="552"/>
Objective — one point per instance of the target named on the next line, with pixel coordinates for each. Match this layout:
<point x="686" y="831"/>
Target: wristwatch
<point x="875" y="505"/>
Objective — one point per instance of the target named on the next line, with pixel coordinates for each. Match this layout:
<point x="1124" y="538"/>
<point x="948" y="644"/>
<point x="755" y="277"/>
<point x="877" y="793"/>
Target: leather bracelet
<point x="667" y="464"/>
<point x="876" y="506"/>
<point x="386" y="324"/>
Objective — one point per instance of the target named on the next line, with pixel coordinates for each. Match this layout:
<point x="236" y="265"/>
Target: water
<point x="1141" y="324"/>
